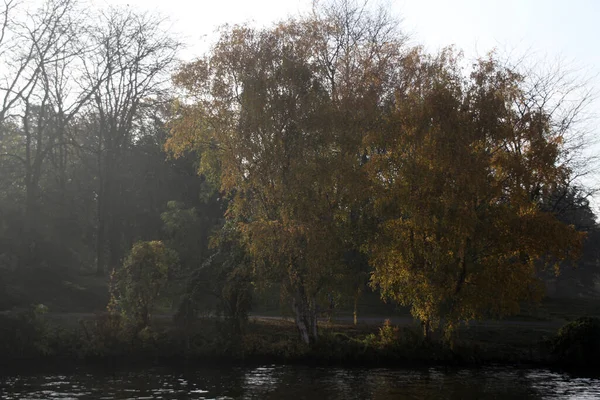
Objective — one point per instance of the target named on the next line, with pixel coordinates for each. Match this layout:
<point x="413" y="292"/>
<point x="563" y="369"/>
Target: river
<point x="301" y="382"/>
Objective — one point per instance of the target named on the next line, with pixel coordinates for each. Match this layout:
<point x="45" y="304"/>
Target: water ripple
<point x="291" y="382"/>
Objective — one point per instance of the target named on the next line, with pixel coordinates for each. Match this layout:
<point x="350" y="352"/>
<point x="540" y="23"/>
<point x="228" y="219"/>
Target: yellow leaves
<point x="461" y="234"/>
<point x="446" y="164"/>
<point x="193" y="76"/>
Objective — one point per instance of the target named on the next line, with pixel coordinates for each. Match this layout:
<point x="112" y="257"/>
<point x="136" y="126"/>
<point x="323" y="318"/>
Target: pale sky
<point x="540" y="29"/>
<point x="567" y="28"/>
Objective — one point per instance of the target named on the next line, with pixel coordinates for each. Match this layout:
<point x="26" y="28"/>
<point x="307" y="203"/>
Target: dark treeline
<point x="313" y="160"/>
<point x="85" y="98"/>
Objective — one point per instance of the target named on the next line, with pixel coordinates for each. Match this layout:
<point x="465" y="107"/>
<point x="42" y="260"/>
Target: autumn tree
<point x="278" y="116"/>
<point x="458" y="175"/>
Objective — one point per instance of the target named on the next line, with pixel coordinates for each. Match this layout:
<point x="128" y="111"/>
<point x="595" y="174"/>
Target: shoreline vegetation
<point x="31" y="340"/>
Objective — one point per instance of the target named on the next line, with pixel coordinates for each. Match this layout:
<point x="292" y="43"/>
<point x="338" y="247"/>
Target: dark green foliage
<point x="224" y="281"/>
<point x="188" y="232"/>
<point x="104" y="335"/>
<point x="77" y="187"/>
<point x="571" y="205"/>
<point x="578" y="343"/>
<point x="24" y="334"/>
<point x="61" y="291"/>
<point x="236" y="298"/>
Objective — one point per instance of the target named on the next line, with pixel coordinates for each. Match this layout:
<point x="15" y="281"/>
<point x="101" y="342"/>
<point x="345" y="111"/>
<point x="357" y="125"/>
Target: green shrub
<point x="24" y="334"/>
<point x="105" y="335"/>
<point x="66" y="343"/>
<point x="139" y="283"/>
<point x="578" y="343"/>
<point x="393" y="337"/>
<point x="388" y="335"/>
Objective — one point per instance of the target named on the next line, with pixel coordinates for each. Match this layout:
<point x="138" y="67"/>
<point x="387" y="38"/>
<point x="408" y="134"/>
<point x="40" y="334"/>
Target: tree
<point x="38" y="51"/>
<point x="458" y="175"/>
<point x="277" y="116"/>
<point x="130" y="66"/>
<point x="225" y="276"/>
<point x="141" y="280"/>
<point x="570" y="205"/>
<point x="67" y="71"/>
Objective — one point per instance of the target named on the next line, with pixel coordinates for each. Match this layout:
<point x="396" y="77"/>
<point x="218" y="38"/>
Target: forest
<point x="305" y="164"/>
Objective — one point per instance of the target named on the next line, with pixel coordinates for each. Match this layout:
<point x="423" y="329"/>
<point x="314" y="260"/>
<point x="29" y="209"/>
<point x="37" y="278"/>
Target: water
<point x="296" y="382"/>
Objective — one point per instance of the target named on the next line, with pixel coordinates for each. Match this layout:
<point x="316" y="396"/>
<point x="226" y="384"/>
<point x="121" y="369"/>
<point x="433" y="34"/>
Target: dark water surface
<point x="300" y="382"/>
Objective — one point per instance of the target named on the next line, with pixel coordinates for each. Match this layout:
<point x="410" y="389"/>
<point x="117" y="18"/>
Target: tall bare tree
<point x="131" y="68"/>
<point x="43" y="40"/>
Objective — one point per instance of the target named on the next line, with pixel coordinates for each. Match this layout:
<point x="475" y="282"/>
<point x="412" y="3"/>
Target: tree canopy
<point x="458" y="177"/>
<point x="277" y="116"/>
<point x="322" y="121"/>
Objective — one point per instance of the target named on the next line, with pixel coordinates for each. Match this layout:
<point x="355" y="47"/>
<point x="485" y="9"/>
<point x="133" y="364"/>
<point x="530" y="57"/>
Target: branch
<point x="14" y="156"/>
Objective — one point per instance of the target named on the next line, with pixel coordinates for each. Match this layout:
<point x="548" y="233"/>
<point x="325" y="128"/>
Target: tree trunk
<point x="426" y="329"/>
<point x="312" y="312"/>
<point x="64" y="218"/>
<point x="355" y="313"/>
<point x="101" y="238"/>
<point x="301" y="319"/>
<point x="305" y="315"/>
<point x="114" y="238"/>
<point x="28" y="244"/>
<point x="102" y="217"/>
<point x="108" y="238"/>
<point x="30" y="207"/>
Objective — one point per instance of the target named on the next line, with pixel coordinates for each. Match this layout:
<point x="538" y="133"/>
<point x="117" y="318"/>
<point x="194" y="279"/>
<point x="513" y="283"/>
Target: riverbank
<point x="31" y="338"/>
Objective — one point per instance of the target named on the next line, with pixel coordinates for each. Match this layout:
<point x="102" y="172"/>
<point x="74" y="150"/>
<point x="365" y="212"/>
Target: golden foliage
<point x="458" y="175"/>
<point x="301" y="127"/>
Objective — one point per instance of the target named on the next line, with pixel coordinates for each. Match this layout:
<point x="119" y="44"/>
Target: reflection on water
<point x="294" y="382"/>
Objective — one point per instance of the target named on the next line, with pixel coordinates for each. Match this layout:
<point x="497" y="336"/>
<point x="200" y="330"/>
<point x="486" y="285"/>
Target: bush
<point x="395" y="338"/>
<point x="139" y="283"/>
<point x="578" y="343"/>
<point x="24" y="334"/>
<point x="388" y="335"/>
<point x="104" y="335"/>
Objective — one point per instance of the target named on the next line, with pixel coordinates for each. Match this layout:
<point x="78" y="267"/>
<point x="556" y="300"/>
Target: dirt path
<point x="402" y="321"/>
<point x="405" y="321"/>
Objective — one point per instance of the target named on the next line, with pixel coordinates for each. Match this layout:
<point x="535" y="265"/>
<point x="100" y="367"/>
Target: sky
<point x="567" y="28"/>
<point x="542" y="30"/>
